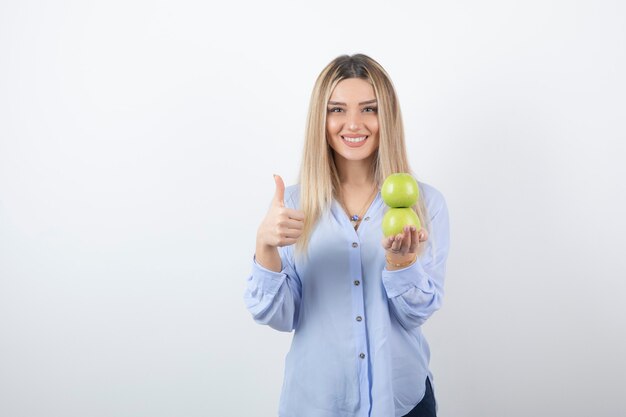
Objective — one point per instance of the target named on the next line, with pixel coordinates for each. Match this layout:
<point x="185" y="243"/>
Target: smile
<point x="354" y="140"/>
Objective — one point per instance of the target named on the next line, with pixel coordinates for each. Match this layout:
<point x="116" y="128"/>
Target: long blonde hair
<point x="319" y="180"/>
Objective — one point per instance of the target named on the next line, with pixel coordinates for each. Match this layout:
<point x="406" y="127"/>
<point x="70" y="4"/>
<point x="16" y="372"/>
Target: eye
<point x="370" y="109"/>
<point x="335" y="110"/>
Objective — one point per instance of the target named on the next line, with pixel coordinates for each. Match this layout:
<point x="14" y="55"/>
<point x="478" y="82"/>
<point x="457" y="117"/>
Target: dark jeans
<point x="426" y="407"/>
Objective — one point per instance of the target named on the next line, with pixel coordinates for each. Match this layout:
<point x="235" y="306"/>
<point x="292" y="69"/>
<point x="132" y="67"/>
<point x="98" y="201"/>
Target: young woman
<point x="322" y="268"/>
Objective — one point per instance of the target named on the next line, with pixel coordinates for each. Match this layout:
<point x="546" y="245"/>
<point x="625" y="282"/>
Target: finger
<point x="294" y="214"/>
<point x="287" y="241"/>
<point x="279" y="194"/>
<point x="387" y="241"/>
<point x="291" y="233"/>
<point x="414" y="239"/>
<point x="292" y="224"/>
<point x="423" y="235"/>
<point x="406" y="240"/>
<point x="397" y="243"/>
<point x="284" y="233"/>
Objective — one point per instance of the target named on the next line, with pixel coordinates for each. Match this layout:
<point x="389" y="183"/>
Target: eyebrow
<point x="338" y="103"/>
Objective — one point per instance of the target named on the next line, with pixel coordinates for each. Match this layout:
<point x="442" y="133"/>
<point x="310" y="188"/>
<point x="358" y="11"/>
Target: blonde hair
<point x="319" y="180"/>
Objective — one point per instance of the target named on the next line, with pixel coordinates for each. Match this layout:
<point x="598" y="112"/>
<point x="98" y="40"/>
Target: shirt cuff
<point x="402" y="280"/>
<point x="267" y="281"/>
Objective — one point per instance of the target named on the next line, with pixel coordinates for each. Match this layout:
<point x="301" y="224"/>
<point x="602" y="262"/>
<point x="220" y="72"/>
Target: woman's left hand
<point x="404" y="246"/>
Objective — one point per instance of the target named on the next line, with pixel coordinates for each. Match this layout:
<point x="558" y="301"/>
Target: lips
<point x="354" y="141"/>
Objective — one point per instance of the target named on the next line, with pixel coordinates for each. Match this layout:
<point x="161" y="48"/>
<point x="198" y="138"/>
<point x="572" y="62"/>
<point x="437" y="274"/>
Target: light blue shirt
<point x="357" y="348"/>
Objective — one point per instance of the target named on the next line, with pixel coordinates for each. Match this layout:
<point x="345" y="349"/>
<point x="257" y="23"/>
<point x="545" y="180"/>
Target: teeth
<point x="354" y="140"/>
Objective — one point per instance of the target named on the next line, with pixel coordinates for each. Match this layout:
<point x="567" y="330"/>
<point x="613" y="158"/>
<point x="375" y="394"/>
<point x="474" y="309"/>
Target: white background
<point x="137" y="145"/>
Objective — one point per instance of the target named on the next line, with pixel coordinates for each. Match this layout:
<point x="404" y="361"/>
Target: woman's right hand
<point x="281" y="226"/>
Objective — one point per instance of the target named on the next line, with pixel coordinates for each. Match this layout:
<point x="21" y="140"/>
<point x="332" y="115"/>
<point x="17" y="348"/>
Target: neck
<point x="354" y="173"/>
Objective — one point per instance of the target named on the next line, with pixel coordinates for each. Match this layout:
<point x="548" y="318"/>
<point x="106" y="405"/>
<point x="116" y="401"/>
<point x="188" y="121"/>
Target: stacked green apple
<point x="400" y="192"/>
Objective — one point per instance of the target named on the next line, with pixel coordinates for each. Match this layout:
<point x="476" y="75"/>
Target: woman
<point x="322" y="268"/>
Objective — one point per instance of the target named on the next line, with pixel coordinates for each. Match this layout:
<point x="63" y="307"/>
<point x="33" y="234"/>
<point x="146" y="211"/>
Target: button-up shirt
<point x="357" y="348"/>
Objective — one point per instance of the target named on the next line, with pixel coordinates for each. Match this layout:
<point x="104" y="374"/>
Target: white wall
<point x="137" y="145"/>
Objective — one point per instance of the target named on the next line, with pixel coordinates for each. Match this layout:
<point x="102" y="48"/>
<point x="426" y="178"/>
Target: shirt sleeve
<point x="416" y="292"/>
<point x="273" y="298"/>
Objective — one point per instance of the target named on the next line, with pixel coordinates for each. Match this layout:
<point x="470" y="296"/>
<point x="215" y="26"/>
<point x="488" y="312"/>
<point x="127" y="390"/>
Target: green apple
<point x="396" y="218"/>
<point x="400" y="190"/>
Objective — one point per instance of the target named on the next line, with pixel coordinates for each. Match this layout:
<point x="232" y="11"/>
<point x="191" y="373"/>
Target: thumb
<point x="279" y="195"/>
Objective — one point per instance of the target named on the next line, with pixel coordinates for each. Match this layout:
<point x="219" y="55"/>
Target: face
<point x="352" y="120"/>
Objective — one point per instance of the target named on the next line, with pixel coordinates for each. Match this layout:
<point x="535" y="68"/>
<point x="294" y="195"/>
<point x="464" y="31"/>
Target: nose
<point x="354" y="120"/>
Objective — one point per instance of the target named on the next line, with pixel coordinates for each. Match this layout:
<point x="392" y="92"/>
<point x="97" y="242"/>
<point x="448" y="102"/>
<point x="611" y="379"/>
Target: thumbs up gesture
<point x="281" y="226"/>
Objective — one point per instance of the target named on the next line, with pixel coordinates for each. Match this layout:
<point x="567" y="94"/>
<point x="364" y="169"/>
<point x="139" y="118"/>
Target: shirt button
<point x="357" y="282"/>
<point x="367" y="218"/>
<point x="354" y="244"/>
<point x="362" y="355"/>
<point x="359" y="318"/>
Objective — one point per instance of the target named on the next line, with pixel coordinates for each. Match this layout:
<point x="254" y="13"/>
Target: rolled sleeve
<point x="273" y="298"/>
<point x="268" y="282"/>
<point x="399" y="281"/>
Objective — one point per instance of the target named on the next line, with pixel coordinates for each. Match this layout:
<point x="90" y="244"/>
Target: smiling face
<point x="352" y="120"/>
